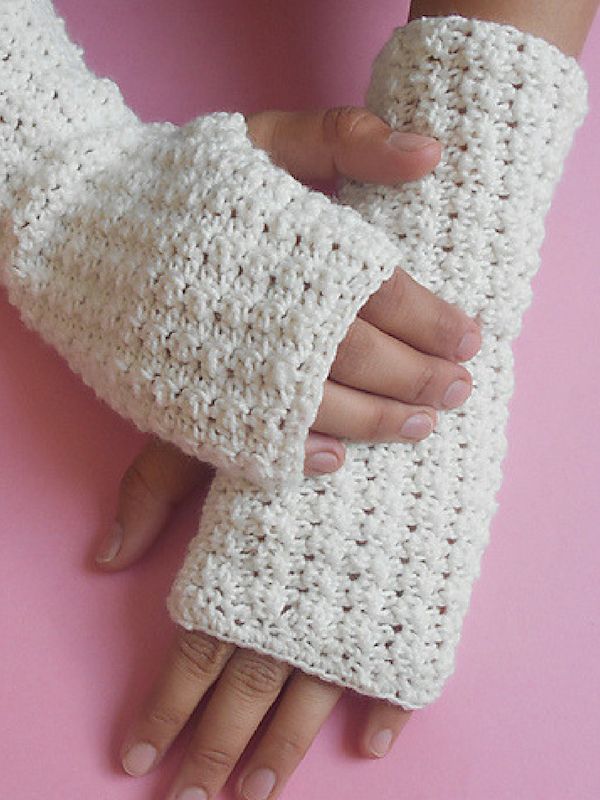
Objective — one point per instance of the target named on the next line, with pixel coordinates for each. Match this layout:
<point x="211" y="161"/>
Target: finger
<point x="350" y="141"/>
<point x="322" y="454"/>
<point x="305" y="705"/>
<point x="364" y="417"/>
<point x="384" y="724"/>
<point x="370" y="360"/>
<point x="157" y="480"/>
<point x="160" y="477"/>
<point x="406" y="310"/>
<point x="193" y="664"/>
<point x="249" y="685"/>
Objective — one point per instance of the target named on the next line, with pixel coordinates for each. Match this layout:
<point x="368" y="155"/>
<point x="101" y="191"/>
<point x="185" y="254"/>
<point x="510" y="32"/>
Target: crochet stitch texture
<point x="363" y="577"/>
<point x="197" y="288"/>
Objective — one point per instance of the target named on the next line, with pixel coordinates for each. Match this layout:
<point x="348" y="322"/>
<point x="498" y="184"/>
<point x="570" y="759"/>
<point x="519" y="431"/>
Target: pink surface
<point x="520" y="718"/>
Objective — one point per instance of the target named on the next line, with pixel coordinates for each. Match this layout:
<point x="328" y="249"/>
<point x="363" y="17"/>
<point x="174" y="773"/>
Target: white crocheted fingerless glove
<point x="363" y="577"/>
<point x="197" y="288"/>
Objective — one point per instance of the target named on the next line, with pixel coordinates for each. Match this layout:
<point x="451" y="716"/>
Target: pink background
<point x="520" y="718"/>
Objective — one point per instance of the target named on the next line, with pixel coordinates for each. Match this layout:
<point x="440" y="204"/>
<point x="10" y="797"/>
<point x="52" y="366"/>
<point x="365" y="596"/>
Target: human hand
<point x="379" y="370"/>
<point x="398" y="360"/>
<point x="245" y="682"/>
<point x="352" y="143"/>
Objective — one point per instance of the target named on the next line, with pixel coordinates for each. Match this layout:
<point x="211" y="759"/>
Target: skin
<point x="399" y="356"/>
<point x="395" y="332"/>
<point x="317" y="145"/>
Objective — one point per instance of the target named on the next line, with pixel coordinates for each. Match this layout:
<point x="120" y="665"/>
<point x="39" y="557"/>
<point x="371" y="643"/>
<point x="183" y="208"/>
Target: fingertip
<point x="380" y="743"/>
<point x="470" y="344"/>
<point x="385" y="724"/>
<point x="414" y="156"/>
<point x="138" y="759"/>
<point x="323" y="454"/>
<point x="323" y="463"/>
<point x="110" y="547"/>
<point x="123" y="547"/>
<point x="407" y="142"/>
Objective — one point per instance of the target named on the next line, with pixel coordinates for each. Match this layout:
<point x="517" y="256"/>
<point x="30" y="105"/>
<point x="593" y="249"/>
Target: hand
<point x="398" y="359"/>
<point x="314" y="146"/>
<point x="376" y="362"/>
<point x="245" y="683"/>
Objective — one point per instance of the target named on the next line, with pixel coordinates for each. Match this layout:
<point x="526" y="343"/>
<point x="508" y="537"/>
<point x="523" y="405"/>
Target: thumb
<point x="348" y="141"/>
<point x="156" y="481"/>
<point x="160" y="477"/>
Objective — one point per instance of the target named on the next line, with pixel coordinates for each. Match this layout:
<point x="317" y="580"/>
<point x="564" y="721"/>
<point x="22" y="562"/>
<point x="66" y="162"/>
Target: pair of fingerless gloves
<point x="202" y="292"/>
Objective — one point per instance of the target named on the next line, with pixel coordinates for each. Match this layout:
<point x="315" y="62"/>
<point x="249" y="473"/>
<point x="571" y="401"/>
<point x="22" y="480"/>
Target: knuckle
<point x="199" y="655"/>
<point x="355" y="349"/>
<point x="390" y="297"/>
<point x="289" y="745"/>
<point x="423" y="382"/>
<point x="210" y="759"/>
<point x="136" y="486"/>
<point x="379" y="423"/>
<point x="340" y="123"/>
<point x="257" y="676"/>
<point x="164" y="717"/>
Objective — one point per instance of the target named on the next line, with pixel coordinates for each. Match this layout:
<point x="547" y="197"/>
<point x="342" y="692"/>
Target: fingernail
<point x="456" y="394"/>
<point x="111" y="545"/>
<point x="409" y="142"/>
<point x="259" y="784"/>
<point x="417" y="426"/>
<point x="192" y="793"/>
<point x="139" y="758"/>
<point x="469" y="346"/>
<point x="380" y="742"/>
<point x="326" y="461"/>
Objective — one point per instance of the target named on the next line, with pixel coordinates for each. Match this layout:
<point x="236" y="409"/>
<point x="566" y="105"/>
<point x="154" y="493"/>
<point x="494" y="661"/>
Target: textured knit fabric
<point x="363" y="577"/>
<point x="197" y="288"/>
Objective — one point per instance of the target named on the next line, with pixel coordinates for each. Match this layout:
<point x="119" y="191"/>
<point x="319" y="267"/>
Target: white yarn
<point x="197" y="288"/>
<point x="363" y="577"/>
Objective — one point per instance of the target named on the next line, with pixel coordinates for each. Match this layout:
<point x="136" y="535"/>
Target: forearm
<point x="565" y="25"/>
